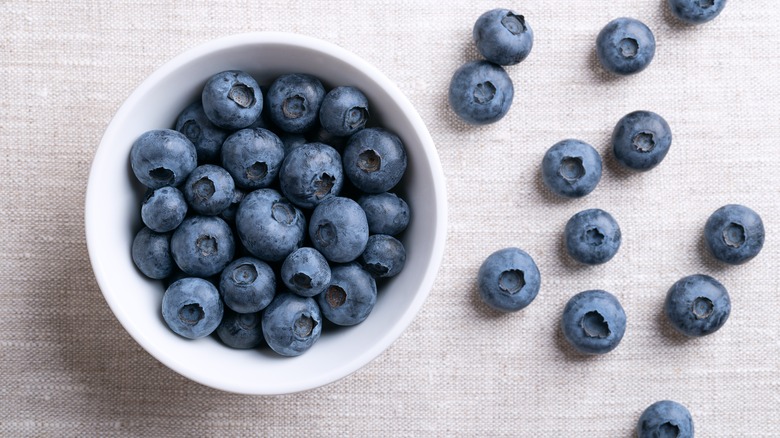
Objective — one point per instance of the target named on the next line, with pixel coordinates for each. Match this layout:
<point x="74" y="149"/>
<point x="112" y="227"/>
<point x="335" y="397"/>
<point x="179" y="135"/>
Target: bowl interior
<point x="112" y="216"/>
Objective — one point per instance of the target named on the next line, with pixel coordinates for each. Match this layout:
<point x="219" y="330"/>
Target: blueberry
<point x="592" y="236"/>
<point x="291" y="324"/>
<point x="151" y="253"/>
<point x="696" y="11"/>
<point x="240" y="330"/>
<point x="269" y="226"/>
<point x="664" y="419"/>
<point x="697" y="305"/>
<point x="593" y="322"/>
<point x="163" y="209"/>
<point x="202" y="245"/>
<point x="310" y="174"/>
<point x="481" y="92"/>
<point x="640" y="140"/>
<point x="306" y="272"/>
<point x="191" y="307"/>
<point x="232" y="99"/>
<point x="625" y="46"/>
<point x="247" y="285"/>
<point x="508" y="280"/>
<point x="209" y="189"/>
<point x="253" y="157"/>
<point x="294" y="102"/>
<point x="374" y="160"/>
<point x="503" y="37"/>
<point x="206" y="136"/>
<point x="571" y="168"/>
<point x="162" y="157"/>
<point x="338" y="229"/>
<point x="386" y="213"/>
<point x="344" y="111"/>
<point x="384" y="256"/>
<point x="350" y="295"/>
<point x="734" y="234"/>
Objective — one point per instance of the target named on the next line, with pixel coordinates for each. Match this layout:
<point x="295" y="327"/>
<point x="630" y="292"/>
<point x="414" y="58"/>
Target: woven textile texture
<point x="68" y="368"/>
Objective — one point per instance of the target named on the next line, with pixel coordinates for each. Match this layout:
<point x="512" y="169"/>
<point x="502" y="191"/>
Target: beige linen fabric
<point x="67" y="367"/>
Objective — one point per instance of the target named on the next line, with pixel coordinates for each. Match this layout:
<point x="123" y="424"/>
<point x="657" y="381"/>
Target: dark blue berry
<point x="593" y="322"/>
<point x="697" y="305"/>
<point x="734" y="234"/>
<point x="481" y="92"/>
<point x="625" y="46"/>
<point x="503" y="37"/>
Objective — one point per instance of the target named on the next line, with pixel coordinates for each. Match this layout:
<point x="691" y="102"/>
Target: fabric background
<point x="67" y="367"/>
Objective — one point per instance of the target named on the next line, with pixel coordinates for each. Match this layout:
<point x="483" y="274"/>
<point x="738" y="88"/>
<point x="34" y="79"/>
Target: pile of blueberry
<point x="270" y="210"/>
<point x="593" y="321"/>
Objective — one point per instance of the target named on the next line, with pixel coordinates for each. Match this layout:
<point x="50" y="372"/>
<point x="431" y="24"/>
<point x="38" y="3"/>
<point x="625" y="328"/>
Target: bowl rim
<point x="394" y="331"/>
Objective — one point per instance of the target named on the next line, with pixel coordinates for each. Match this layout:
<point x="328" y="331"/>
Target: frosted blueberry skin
<point x="593" y="322"/>
<point x="344" y="111"/>
<point x="162" y="157"/>
<point x="503" y="37"/>
<point x="571" y="168"/>
<point x="209" y="189"/>
<point x="247" y="285"/>
<point x="374" y="160"/>
<point x="253" y="157"/>
<point x="305" y="272"/>
<point x="592" y="236"/>
<point x="696" y="11"/>
<point x="734" y="234"/>
<point x="508" y="280"/>
<point x="665" y="418"/>
<point x="697" y="305"/>
<point x="269" y="226"/>
<point x="191" y="307"/>
<point x="339" y="230"/>
<point x="625" y="46"/>
<point x="294" y="102"/>
<point x="310" y="174"/>
<point x="202" y="246"/>
<point x="240" y="330"/>
<point x="151" y="253"/>
<point x="349" y="297"/>
<point x="206" y="136"/>
<point x="480" y="92"/>
<point x="232" y="99"/>
<point x="384" y="256"/>
<point x="163" y="209"/>
<point x="386" y="213"/>
<point x="291" y="324"/>
<point x="641" y="140"/>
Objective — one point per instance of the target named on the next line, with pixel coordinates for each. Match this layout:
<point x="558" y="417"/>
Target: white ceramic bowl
<point x="113" y="203"/>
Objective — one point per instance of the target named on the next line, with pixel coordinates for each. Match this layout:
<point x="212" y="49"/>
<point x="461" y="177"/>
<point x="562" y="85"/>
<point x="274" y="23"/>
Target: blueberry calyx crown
<point x="242" y="94"/>
<point x="511" y="281"/>
<point x="514" y="23"/>
<point x="594" y="325"/>
<point x="484" y="92"/>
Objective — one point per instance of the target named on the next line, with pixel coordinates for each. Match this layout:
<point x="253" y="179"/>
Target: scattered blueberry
<point x="163" y="209"/>
<point x="344" y="111"/>
<point x="269" y="226"/>
<point x="592" y="236"/>
<point x="665" y="419"/>
<point x="162" y="157"/>
<point x="338" y="229"/>
<point x="374" y="160"/>
<point x="206" y="136"/>
<point x="384" y="256"/>
<point x="310" y="174"/>
<point x="191" y="307"/>
<point x="294" y="102"/>
<point x="247" y="285"/>
<point x="481" y="92"/>
<point x="349" y="297"/>
<point x="594" y="322"/>
<point x="151" y="253"/>
<point x="508" y="280"/>
<point x="209" y="189"/>
<point x="503" y="37"/>
<point x="625" y="46"/>
<point x="734" y="234"/>
<point x="571" y="168"/>
<point x="232" y="99"/>
<point x="386" y="213"/>
<point x="306" y="272"/>
<point x="291" y="324"/>
<point x="202" y="245"/>
<point x="240" y="330"/>
<point x="696" y="11"/>
<point x="253" y="157"/>
<point x="640" y="140"/>
<point x="697" y="305"/>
